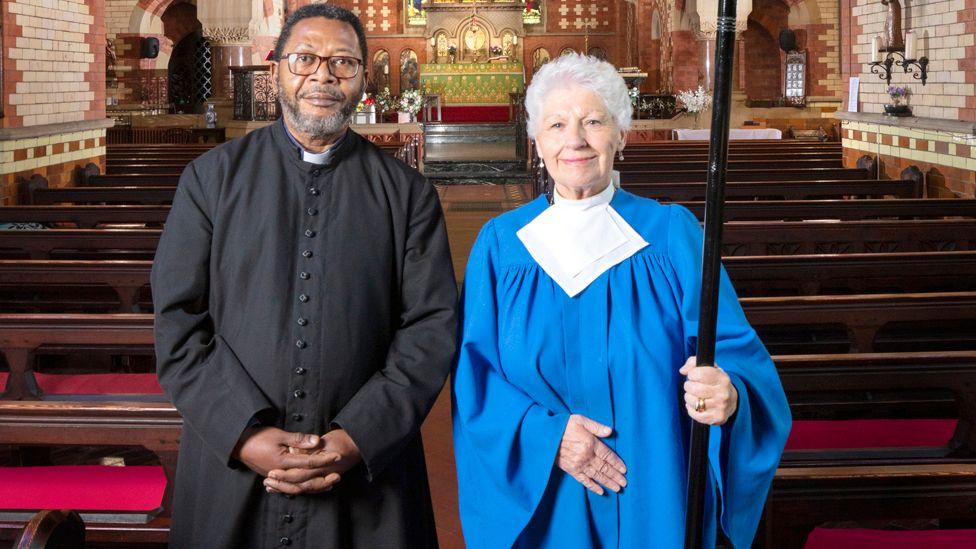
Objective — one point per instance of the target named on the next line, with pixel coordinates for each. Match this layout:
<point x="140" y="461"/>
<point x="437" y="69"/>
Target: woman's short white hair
<point x="582" y="70"/>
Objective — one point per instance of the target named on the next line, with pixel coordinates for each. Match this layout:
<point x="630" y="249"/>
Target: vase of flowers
<point x="410" y="103"/>
<point x="365" y="110"/>
<point x="452" y="52"/>
<point x="695" y="101"/>
<point x="899" y="101"/>
<point x="385" y="102"/>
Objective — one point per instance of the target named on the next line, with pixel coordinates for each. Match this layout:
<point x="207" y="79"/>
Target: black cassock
<point x="311" y="297"/>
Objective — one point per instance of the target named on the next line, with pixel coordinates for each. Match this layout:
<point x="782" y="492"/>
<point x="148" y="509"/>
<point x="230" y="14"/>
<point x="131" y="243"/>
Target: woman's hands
<point x="587" y="459"/>
<point x="714" y="387"/>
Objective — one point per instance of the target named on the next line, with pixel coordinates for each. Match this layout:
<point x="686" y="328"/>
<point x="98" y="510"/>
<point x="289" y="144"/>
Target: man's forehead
<point x="315" y="32"/>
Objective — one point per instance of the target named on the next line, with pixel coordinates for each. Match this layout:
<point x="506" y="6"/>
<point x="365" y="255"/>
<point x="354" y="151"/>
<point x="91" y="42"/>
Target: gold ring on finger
<point x="700" y="406"/>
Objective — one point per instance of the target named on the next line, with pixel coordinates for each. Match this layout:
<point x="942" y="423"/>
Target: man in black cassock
<point x="305" y="319"/>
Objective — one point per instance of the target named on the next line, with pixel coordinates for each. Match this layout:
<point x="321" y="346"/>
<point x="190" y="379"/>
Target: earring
<point x="620" y="155"/>
<point x="542" y="163"/>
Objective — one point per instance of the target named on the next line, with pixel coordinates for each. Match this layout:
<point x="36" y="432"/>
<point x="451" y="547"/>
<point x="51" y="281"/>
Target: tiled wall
<point x="54" y="55"/>
<point x="947" y="34"/>
<point x="947" y="159"/>
<point x="54" y="157"/>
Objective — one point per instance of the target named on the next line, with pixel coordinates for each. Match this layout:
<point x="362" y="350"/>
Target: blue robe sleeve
<point x="743" y="453"/>
<point x="505" y="444"/>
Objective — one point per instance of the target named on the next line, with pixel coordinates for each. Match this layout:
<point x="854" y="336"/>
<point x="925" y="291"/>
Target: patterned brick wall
<point x="947" y="36"/>
<point x="54" y="61"/>
<point x="948" y="161"/>
<point x="54" y="157"/>
<point x="574" y="15"/>
<point x="764" y="70"/>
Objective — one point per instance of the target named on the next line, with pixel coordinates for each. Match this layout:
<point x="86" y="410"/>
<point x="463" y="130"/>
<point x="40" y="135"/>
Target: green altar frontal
<point x="473" y="83"/>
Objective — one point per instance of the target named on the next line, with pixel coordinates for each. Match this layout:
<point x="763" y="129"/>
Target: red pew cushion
<point x="82" y="488"/>
<point x="862" y="538"/>
<point x="94" y="384"/>
<point x="870" y="433"/>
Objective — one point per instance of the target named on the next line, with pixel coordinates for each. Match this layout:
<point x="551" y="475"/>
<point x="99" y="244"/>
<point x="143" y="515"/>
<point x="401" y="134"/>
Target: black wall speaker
<point x="787" y="40"/>
<point x="150" y="47"/>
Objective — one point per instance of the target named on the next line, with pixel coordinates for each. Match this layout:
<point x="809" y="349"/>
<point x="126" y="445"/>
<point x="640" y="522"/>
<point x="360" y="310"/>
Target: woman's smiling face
<point x="577" y="140"/>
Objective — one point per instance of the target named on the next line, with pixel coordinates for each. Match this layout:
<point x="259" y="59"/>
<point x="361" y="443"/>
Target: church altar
<point x="473" y="83"/>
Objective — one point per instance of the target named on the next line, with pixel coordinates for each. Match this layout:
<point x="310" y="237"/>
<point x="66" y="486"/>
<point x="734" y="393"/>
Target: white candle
<point x="875" y="49"/>
<point x="386" y="69"/>
<point x="515" y="40"/>
<point x="910" y="45"/>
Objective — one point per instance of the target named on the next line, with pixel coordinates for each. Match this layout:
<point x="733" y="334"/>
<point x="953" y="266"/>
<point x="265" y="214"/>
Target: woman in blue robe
<point x="575" y="385"/>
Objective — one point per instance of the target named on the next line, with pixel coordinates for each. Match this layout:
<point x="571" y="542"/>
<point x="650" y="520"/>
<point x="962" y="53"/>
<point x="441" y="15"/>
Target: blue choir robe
<point x="530" y="356"/>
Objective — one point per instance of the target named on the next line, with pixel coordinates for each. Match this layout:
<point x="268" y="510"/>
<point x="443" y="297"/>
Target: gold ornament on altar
<point x="475" y="41"/>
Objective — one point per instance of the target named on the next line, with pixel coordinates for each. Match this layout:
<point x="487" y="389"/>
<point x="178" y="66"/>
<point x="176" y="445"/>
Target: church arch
<point x="409" y="70"/>
<point x="146" y="17"/>
<point x="380" y="73"/>
<point x="540" y="57"/>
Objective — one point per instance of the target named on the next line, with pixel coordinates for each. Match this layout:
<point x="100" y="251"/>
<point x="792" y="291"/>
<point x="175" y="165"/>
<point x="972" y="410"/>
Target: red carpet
<point x="475" y="113"/>
<point x="861" y="538"/>
<point x="874" y="433"/>
<point x="95" y="384"/>
<point x="82" y="488"/>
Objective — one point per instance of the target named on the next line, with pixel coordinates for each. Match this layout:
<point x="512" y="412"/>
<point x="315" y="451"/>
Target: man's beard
<point x="317" y="126"/>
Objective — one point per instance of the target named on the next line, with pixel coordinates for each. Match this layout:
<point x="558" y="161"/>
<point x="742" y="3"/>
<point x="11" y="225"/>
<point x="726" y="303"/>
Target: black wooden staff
<point x="711" y="258"/>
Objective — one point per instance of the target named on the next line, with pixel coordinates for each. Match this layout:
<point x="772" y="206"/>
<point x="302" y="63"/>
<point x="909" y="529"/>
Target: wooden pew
<point x="21" y="335"/>
<point x="753" y="276"/>
<point x="81" y="243"/>
<point x="912" y="272"/>
<point x="815" y="486"/>
<point x="810" y="324"/>
<point x="632" y="156"/>
<point x="831" y="237"/>
<point x="779" y="174"/>
<point x="105" y="195"/>
<point x="85" y="216"/>
<point x="683" y="163"/>
<point x="803" y="497"/>
<point x="154" y="425"/>
<point x="70" y="279"/>
<point x="740" y="238"/>
<point x="164" y="167"/>
<point x="665" y="191"/>
<point x="133" y="180"/>
<point x="846" y="210"/>
<point x="866" y="386"/>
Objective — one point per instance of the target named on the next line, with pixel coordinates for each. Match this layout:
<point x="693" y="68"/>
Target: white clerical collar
<point x="575" y="241"/>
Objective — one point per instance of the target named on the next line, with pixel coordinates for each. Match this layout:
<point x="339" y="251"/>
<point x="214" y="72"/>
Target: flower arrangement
<point x="898" y="94"/>
<point x="367" y="103"/>
<point x="695" y="101"/>
<point x="495" y="50"/>
<point x="899" y="101"/>
<point x="411" y="101"/>
<point x="385" y="102"/>
<point x="451" y="49"/>
<point x="634" y="94"/>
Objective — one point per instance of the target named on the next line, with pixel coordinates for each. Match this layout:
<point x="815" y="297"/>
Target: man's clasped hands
<point x="297" y="463"/>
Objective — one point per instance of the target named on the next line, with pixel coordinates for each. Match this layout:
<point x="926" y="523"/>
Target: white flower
<point x="695" y="100"/>
<point x="634" y="94"/>
<point x="411" y="101"/>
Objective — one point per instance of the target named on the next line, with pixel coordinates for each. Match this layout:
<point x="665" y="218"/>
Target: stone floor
<point x="466" y="209"/>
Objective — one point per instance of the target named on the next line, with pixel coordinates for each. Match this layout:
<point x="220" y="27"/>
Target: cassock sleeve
<point x="389" y="408"/>
<point x="199" y="371"/>
<point x="743" y="453"/>
<point x="505" y="444"/>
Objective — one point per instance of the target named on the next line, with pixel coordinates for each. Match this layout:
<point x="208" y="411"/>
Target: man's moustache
<point x="335" y="96"/>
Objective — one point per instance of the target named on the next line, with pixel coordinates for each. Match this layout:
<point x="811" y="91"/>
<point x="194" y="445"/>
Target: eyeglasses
<point x="304" y="64"/>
